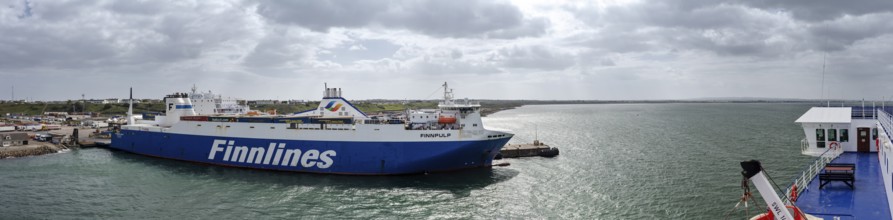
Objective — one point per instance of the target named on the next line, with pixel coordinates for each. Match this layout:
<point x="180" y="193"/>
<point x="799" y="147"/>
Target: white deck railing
<point x="811" y="171"/>
<point x="886" y="122"/>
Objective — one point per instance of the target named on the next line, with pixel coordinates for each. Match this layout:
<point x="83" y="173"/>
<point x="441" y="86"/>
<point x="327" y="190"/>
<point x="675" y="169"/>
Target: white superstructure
<point x="208" y="103"/>
<point x="335" y="119"/>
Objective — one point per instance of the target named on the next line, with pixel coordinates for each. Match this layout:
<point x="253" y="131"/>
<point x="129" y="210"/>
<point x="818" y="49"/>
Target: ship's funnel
<point x="333" y="105"/>
<point x="176" y="105"/>
<point x="130" y="120"/>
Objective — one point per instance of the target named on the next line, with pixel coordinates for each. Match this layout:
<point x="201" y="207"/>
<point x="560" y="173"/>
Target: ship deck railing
<point x="384" y="122"/>
<point x="840" y="201"/>
<point x="810" y="172"/>
<point x="869" y="112"/>
<point x="885" y="120"/>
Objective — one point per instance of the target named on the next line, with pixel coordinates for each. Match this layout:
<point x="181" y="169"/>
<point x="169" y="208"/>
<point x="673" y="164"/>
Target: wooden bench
<point x="851" y="166"/>
<point x="826" y="178"/>
<point x="843" y="172"/>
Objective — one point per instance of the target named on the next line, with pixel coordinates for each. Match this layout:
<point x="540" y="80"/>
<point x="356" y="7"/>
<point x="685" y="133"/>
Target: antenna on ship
<point x="446" y="91"/>
<point x="130" y="109"/>
<point x="824" y="61"/>
<point x="447" y="94"/>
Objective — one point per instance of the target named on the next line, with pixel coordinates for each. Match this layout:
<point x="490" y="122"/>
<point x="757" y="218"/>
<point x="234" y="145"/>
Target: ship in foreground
<point x="851" y="176"/>
<point x="334" y="138"/>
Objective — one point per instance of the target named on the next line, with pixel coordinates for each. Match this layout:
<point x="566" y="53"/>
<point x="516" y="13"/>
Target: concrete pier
<point x="63" y="136"/>
<point x="528" y="150"/>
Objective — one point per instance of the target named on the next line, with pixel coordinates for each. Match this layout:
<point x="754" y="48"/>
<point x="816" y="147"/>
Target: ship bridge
<point x="854" y="129"/>
<point x="463" y="105"/>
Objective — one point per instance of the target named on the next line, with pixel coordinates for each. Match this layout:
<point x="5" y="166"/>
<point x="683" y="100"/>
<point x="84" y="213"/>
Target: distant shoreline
<point x="369" y="106"/>
<point x="494" y="106"/>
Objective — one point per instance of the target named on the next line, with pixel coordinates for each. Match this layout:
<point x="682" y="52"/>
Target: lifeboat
<point x="446" y="119"/>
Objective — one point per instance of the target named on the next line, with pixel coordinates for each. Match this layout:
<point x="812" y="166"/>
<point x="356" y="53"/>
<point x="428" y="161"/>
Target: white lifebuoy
<point x="834" y="145"/>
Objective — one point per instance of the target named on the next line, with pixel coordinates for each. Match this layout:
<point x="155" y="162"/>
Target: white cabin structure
<point x="827" y="127"/>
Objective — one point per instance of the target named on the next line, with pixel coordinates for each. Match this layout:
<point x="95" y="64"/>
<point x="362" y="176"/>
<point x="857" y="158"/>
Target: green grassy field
<point x="104" y="109"/>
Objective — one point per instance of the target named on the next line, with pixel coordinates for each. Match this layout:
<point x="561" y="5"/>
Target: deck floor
<point x="867" y="201"/>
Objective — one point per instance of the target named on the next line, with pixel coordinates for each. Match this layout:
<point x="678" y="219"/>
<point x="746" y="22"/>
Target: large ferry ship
<point x="851" y="176"/>
<point x="335" y="137"/>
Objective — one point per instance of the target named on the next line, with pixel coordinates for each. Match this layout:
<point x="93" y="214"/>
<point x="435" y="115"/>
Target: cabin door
<point x="864" y="144"/>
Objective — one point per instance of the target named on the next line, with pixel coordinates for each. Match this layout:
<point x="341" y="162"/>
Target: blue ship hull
<point x="336" y="157"/>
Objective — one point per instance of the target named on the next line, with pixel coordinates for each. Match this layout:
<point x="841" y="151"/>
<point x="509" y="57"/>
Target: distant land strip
<point x="374" y="106"/>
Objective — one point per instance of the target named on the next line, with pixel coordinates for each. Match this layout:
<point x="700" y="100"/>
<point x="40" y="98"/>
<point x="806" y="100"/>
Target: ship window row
<point x="831" y="136"/>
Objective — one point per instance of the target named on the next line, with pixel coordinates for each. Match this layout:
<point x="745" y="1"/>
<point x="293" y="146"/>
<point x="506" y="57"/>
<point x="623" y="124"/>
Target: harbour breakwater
<point x="13" y="152"/>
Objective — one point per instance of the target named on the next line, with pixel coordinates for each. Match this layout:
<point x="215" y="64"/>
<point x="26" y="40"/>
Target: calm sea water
<point x="618" y="161"/>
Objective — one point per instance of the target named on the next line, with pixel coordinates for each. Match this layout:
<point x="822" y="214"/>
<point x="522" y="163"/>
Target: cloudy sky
<point x="257" y="49"/>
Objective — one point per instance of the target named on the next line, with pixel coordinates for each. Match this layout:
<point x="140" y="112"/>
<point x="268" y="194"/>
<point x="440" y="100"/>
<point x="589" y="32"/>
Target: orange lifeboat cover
<point x="445" y="119"/>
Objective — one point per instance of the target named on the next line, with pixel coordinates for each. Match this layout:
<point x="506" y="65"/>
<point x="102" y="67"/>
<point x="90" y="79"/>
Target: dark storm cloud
<point x="720" y="28"/>
<point x="733" y="28"/>
<point x="837" y="34"/>
<point x="806" y="10"/>
<point x="321" y="15"/>
<point x="462" y="18"/>
<point x="274" y="50"/>
<point x="26" y="43"/>
<point x="727" y="42"/>
<point x="136" y="7"/>
<point x="669" y="15"/>
<point x="813" y="10"/>
<point x="71" y="35"/>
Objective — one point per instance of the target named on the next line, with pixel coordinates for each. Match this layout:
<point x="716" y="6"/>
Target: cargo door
<point x="863" y="144"/>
